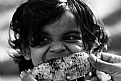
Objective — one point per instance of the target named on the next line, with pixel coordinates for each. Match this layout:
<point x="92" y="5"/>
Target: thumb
<point x="26" y="76"/>
<point x="100" y="65"/>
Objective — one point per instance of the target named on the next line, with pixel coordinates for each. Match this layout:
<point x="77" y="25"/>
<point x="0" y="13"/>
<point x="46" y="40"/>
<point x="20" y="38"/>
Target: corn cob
<point x="63" y="68"/>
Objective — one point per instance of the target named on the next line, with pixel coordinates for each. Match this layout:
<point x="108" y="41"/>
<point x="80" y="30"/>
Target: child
<point x="46" y="29"/>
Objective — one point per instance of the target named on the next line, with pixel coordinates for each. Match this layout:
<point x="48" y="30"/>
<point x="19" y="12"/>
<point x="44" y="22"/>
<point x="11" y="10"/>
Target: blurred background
<point x="108" y="11"/>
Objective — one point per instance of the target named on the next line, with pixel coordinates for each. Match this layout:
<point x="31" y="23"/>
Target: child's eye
<point x="40" y="41"/>
<point x="43" y="41"/>
<point x="72" y="38"/>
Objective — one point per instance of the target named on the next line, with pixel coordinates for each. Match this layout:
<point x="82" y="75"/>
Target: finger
<point x="26" y="76"/>
<point x="101" y="65"/>
<point x="108" y="57"/>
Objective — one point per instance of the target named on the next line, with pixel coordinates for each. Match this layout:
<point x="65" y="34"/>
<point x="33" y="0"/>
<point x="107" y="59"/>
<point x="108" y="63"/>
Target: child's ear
<point x="27" y="56"/>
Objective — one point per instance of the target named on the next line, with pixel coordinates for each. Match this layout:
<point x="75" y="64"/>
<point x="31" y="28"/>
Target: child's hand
<point x="26" y="77"/>
<point x="108" y="63"/>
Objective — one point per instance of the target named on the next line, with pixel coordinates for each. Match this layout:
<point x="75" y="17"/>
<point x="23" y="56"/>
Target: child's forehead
<point x="64" y="24"/>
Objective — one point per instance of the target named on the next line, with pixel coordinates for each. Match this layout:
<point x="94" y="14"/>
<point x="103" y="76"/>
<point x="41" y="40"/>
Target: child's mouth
<point x="63" y="68"/>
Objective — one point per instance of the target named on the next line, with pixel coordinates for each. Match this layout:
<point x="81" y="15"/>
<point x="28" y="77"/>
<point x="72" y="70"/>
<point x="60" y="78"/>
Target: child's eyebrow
<point x="73" y="31"/>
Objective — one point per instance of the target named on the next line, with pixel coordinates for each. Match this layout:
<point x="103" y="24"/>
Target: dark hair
<point x="32" y="16"/>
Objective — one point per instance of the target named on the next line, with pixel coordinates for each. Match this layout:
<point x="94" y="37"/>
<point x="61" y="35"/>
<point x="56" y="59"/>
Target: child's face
<point x="60" y="38"/>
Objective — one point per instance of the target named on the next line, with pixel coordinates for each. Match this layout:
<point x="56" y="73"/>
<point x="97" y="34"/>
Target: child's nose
<point x="57" y="47"/>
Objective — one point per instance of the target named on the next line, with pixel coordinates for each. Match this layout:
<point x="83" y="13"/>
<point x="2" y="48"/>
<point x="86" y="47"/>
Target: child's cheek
<point x="75" y="47"/>
<point x="37" y="55"/>
<point x="36" y="58"/>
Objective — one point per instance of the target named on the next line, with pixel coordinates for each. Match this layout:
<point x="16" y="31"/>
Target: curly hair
<point x="32" y="16"/>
